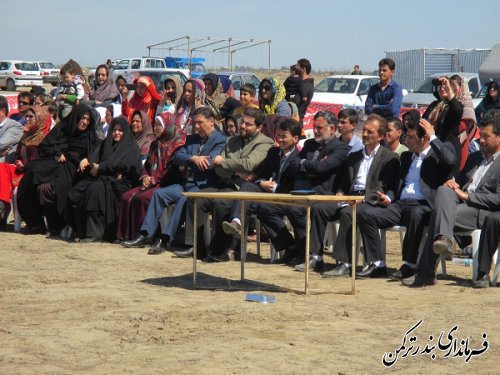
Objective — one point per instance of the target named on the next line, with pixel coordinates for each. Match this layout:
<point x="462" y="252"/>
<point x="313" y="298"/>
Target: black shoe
<point x="372" y="271"/>
<point x="159" y="247"/>
<point x="34" y="230"/>
<point x="140" y="241"/>
<point x="418" y="281"/>
<point x="403" y="273"/>
<point x="287" y="257"/>
<point x="339" y="271"/>
<point x="90" y="240"/>
<point x="314" y="264"/>
<point x="483" y="282"/>
<point x="184" y="253"/>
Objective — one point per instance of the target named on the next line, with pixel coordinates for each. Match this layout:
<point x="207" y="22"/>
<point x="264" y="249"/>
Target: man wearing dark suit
<point x="276" y="174"/>
<point x="464" y="203"/>
<point x="488" y="245"/>
<point x="424" y="168"/>
<point x="368" y="171"/>
<point x="195" y="160"/>
<point x="321" y="159"/>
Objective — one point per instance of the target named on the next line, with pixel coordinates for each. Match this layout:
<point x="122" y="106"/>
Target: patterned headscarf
<point x="184" y="111"/>
<point x="217" y="98"/>
<point x="279" y="93"/>
<point x="35" y="135"/>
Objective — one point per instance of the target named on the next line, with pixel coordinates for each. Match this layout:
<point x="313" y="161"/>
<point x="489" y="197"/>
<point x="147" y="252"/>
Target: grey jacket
<point x="10" y="134"/>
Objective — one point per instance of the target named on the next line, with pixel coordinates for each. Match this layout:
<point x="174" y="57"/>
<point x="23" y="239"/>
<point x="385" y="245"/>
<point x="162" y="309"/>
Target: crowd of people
<point x="121" y="177"/>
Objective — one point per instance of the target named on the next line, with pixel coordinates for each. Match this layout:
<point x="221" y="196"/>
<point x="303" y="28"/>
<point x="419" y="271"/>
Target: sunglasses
<point x="23" y="103"/>
<point x="266" y="88"/>
<point x="29" y="116"/>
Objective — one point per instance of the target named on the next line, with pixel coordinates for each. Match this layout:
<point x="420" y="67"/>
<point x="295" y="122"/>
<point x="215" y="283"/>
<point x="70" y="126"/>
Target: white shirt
<point x="364" y="168"/>
<point x="480" y="172"/>
<point x="412" y="181"/>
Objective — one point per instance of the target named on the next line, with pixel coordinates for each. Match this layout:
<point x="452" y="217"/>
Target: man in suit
<point x="488" y="244"/>
<point x="195" y="160"/>
<point x="321" y="159"/>
<point x="11" y="132"/>
<point x="240" y="157"/>
<point x="464" y="203"/>
<point x="368" y="171"/>
<point x="276" y="174"/>
<point x="424" y="168"/>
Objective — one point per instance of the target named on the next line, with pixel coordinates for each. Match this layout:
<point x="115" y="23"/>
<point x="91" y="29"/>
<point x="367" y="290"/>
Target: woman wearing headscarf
<point x="111" y="170"/>
<point x="145" y="98"/>
<point x="272" y="100"/>
<point x="157" y="172"/>
<point x="171" y="95"/>
<point x="193" y="97"/>
<point x="221" y="104"/>
<point x="444" y="114"/>
<point x="142" y="132"/>
<point x="44" y="187"/>
<point x="26" y="152"/>
<point x="490" y="101"/>
<point x="104" y="90"/>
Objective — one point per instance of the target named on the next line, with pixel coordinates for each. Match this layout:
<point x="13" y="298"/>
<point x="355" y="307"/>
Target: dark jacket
<point x="283" y="175"/>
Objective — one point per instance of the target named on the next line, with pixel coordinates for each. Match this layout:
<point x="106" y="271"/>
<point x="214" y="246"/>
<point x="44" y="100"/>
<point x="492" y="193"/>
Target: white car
<point x="348" y="90"/>
<point x="49" y="72"/>
<point x="132" y="64"/>
<point x="15" y="73"/>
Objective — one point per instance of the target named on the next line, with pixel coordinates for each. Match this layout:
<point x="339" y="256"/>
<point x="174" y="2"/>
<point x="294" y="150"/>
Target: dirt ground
<point x="70" y="308"/>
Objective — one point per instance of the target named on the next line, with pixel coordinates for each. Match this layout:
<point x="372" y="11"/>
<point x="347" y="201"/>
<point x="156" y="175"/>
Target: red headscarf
<point x="146" y="103"/>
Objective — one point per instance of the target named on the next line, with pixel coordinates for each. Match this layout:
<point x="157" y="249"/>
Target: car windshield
<point x="425" y="87"/>
<point x="26" y="66"/>
<point x="47" y="65"/>
<point x="337" y="85"/>
<point x="482" y="93"/>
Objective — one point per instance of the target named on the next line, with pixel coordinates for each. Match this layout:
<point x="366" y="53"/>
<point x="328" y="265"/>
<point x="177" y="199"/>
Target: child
<point x="71" y="90"/>
<point x="247" y="99"/>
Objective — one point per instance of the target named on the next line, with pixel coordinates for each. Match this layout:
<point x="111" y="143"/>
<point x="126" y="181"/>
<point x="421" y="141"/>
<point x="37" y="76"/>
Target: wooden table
<point x="282" y="199"/>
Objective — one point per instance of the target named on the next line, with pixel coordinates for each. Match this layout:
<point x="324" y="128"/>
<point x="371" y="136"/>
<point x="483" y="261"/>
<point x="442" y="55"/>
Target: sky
<point x="333" y="34"/>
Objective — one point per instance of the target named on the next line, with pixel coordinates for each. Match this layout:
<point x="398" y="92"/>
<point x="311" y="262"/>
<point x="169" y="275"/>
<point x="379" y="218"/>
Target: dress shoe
<point x="90" y="240"/>
<point x="159" y="247"/>
<point x="339" y="271"/>
<point x="287" y="257"/>
<point x="442" y="246"/>
<point x="403" y="273"/>
<point x="140" y="241"/>
<point x="184" y="253"/>
<point x="418" y="281"/>
<point x="228" y="256"/>
<point x="314" y="264"/>
<point x="371" y="271"/>
<point x="34" y="230"/>
<point x="482" y="282"/>
<point x="232" y="228"/>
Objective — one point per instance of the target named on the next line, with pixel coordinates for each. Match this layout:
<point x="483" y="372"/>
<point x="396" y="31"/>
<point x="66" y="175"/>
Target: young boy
<point x="247" y="98"/>
<point x="70" y="92"/>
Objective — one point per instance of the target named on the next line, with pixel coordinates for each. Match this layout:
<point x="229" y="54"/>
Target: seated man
<point x="488" y="245"/>
<point x="242" y="155"/>
<point x="393" y="135"/>
<point x="195" y="158"/>
<point x="348" y="120"/>
<point x="368" y="172"/>
<point x="424" y="168"/>
<point x="464" y="203"/>
<point x="321" y="159"/>
<point x="276" y="174"/>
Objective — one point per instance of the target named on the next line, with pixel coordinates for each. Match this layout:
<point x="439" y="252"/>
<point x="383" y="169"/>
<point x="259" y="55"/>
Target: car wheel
<point x="11" y="85"/>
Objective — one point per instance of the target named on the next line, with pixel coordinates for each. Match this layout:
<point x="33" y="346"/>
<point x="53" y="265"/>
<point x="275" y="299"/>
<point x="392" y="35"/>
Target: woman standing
<point x="111" y="170"/>
<point x="157" y="172"/>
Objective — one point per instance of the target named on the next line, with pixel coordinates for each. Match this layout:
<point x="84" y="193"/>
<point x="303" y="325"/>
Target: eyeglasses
<point x="117" y="130"/>
<point x="29" y="116"/>
<point x="23" y="103"/>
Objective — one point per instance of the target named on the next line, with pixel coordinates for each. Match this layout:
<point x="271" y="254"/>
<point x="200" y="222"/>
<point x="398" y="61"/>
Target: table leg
<point x="308" y="230"/>
<point x="195" y="240"/>
<point x="243" y="241"/>
<point x="353" y="250"/>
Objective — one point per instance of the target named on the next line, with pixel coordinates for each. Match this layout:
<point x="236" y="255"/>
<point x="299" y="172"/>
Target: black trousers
<point x="413" y="214"/>
<point x="488" y="242"/>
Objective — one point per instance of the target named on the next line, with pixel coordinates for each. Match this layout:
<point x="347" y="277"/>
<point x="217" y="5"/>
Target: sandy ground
<point x="69" y="308"/>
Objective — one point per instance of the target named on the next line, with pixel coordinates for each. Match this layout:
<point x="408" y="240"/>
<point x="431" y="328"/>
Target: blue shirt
<point x="388" y="102"/>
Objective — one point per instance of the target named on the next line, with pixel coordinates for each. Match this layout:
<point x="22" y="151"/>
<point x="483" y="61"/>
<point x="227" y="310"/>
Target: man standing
<point x="369" y="171"/>
<point x="385" y="98"/>
<point x="240" y="157"/>
<point x="356" y="71"/>
<point x="464" y="203"/>
<point x="426" y="167"/>
<point x="393" y="135"/>
<point x="307" y="87"/>
<point x="348" y="120"/>
<point x="321" y="159"/>
<point x="195" y="160"/>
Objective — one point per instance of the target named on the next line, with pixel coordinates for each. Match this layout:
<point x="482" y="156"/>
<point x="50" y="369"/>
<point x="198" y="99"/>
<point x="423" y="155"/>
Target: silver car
<point x="16" y="73"/>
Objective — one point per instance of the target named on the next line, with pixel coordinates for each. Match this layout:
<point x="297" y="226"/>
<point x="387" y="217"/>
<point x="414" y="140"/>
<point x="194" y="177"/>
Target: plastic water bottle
<point x="464" y="261"/>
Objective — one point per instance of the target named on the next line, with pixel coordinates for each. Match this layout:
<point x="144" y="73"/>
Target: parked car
<point x="422" y="96"/>
<point x="49" y="72"/>
<point x="157" y="75"/>
<point x="16" y="73"/>
<point x="140" y="63"/>
<point x="344" y="89"/>
<point x="240" y="78"/>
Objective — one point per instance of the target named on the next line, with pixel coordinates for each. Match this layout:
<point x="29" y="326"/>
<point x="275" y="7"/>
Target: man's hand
<point x="201" y="161"/>
<point x="218" y="160"/>
<point x="452" y="184"/>
<point x="428" y="128"/>
<point x="462" y="195"/>
<point x="383" y="199"/>
<point x="267" y="186"/>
